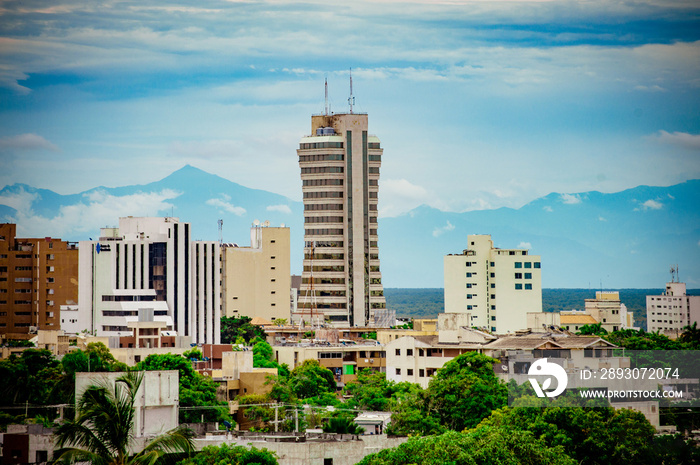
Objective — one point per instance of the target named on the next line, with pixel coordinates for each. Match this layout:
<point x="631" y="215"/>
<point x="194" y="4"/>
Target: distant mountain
<point x="622" y="240"/>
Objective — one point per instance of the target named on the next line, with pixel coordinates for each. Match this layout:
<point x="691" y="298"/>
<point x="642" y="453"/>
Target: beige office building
<point x="498" y="287"/>
<point x="256" y="279"/>
<point x="607" y="310"/>
<point x="341" y="281"/>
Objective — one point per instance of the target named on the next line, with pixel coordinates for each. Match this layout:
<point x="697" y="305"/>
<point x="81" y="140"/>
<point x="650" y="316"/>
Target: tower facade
<point x="340" y="162"/>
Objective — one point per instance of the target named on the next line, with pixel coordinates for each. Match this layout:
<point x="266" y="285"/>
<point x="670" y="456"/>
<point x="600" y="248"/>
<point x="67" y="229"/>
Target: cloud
<point x="223" y="204"/>
<point x="652" y="205"/>
<point x="525" y="245"/>
<point x="398" y="196"/>
<point x="20" y="200"/>
<point x="570" y="199"/>
<point x="279" y="208"/>
<point x="680" y="139"/>
<point x="600" y="218"/>
<point x="97" y="209"/>
<point x="547" y="208"/>
<point x="437" y="232"/>
<point x="653" y="88"/>
<point x="26" y="142"/>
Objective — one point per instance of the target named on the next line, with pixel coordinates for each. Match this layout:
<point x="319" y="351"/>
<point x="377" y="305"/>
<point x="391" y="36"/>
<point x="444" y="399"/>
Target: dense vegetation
<point x="36" y="379"/>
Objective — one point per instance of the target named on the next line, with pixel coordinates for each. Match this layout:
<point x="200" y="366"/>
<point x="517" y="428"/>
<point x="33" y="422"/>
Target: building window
<point x="528" y="275"/>
<point x="518" y="276"/>
<point x="469" y="307"/>
<point x="409" y="372"/>
<point x="493" y="285"/>
<point x="409" y="352"/>
<point x="492" y="264"/>
<point x="518" y="286"/>
<point x="469" y="296"/>
<point x="398" y="371"/>
<point x="493" y="318"/>
<point x="468" y="264"/>
<point x="493" y="296"/>
<point x="518" y="264"/>
<point x="528" y="287"/>
<point x="537" y="264"/>
<point x="421" y="373"/>
<point x="469" y="275"/>
<point x="528" y="265"/>
<point x="398" y="352"/>
<point x="469" y="285"/>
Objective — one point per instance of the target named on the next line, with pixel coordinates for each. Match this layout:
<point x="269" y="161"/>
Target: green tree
<point x="193" y="353"/>
<point x="198" y="399"/>
<point x="483" y="446"/>
<point x="234" y="327"/>
<point x="588" y="435"/>
<point x="310" y="379"/>
<point x="225" y="454"/>
<point x="372" y="391"/>
<point x="342" y="425"/>
<point x="29" y="377"/>
<point x="263" y="357"/>
<point x="465" y="391"/>
<point x="102" y="432"/>
<point x="594" y="329"/>
<point x="691" y="336"/>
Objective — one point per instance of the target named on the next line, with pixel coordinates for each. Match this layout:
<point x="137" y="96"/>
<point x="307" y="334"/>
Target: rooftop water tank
<point x="328" y="131"/>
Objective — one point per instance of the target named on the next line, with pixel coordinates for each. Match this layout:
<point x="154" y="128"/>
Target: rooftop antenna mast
<point x="674" y="274"/>
<point x="326" y="96"/>
<point x="351" y="99"/>
<point x="221" y="231"/>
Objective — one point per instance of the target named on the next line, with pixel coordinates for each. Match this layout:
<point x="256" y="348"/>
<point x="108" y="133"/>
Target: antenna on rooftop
<point x="326" y="96"/>
<point x="351" y="99"/>
<point x="221" y="231"/>
<point x="674" y="274"/>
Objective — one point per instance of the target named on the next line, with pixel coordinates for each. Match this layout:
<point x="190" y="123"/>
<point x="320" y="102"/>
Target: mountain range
<point x="596" y="240"/>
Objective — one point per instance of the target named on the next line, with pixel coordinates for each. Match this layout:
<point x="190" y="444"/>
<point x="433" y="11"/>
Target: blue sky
<point x="479" y="104"/>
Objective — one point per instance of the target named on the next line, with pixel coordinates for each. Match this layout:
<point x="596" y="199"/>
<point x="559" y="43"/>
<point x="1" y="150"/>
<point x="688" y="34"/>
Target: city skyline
<point x="482" y="104"/>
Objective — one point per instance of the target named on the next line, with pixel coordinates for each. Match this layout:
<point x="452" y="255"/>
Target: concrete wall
<point x="313" y="453"/>
<point x="156" y="403"/>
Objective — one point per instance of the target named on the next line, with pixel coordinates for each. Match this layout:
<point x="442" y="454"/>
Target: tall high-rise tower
<point x="341" y="281"/>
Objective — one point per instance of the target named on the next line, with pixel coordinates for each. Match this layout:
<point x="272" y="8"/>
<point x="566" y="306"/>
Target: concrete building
<point x="150" y="263"/>
<point x="498" y="287"/>
<point x="345" y="358"/>
<point x="37" y="277"/>
<point x="157" y="399"/>
<point x="340" y="162"/>
<point x="25" y="444"/>
<point x="671" y="311"/>
<point x="607" y="310"/>
<point x="256" y="279"/>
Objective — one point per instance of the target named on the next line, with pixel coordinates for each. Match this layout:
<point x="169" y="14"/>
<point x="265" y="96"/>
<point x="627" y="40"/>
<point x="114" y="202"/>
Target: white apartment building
<point x="672" y="310"/>
<point x="150" y="263"/>
<point x="257" y="279"/>
<point x="498" y="287"/>
<point x="340" y="162"/>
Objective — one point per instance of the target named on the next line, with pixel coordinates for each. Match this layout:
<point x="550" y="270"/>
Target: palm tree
<point x="103" y="431"/>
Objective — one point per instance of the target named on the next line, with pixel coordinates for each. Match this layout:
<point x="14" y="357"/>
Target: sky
<point x="478" y="104"/>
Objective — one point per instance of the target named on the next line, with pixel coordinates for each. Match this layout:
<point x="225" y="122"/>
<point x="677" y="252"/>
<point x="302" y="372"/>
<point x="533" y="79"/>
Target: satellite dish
<point x="256" y="222"/>
<point x="266" y="223"/>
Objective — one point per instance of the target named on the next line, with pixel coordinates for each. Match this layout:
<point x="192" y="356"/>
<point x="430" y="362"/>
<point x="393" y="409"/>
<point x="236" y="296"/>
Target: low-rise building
<point x="345" y="358"/>
<point x="157" y="399"/>
<point x="607" y="310"/>
<point x="27" y="444"/>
